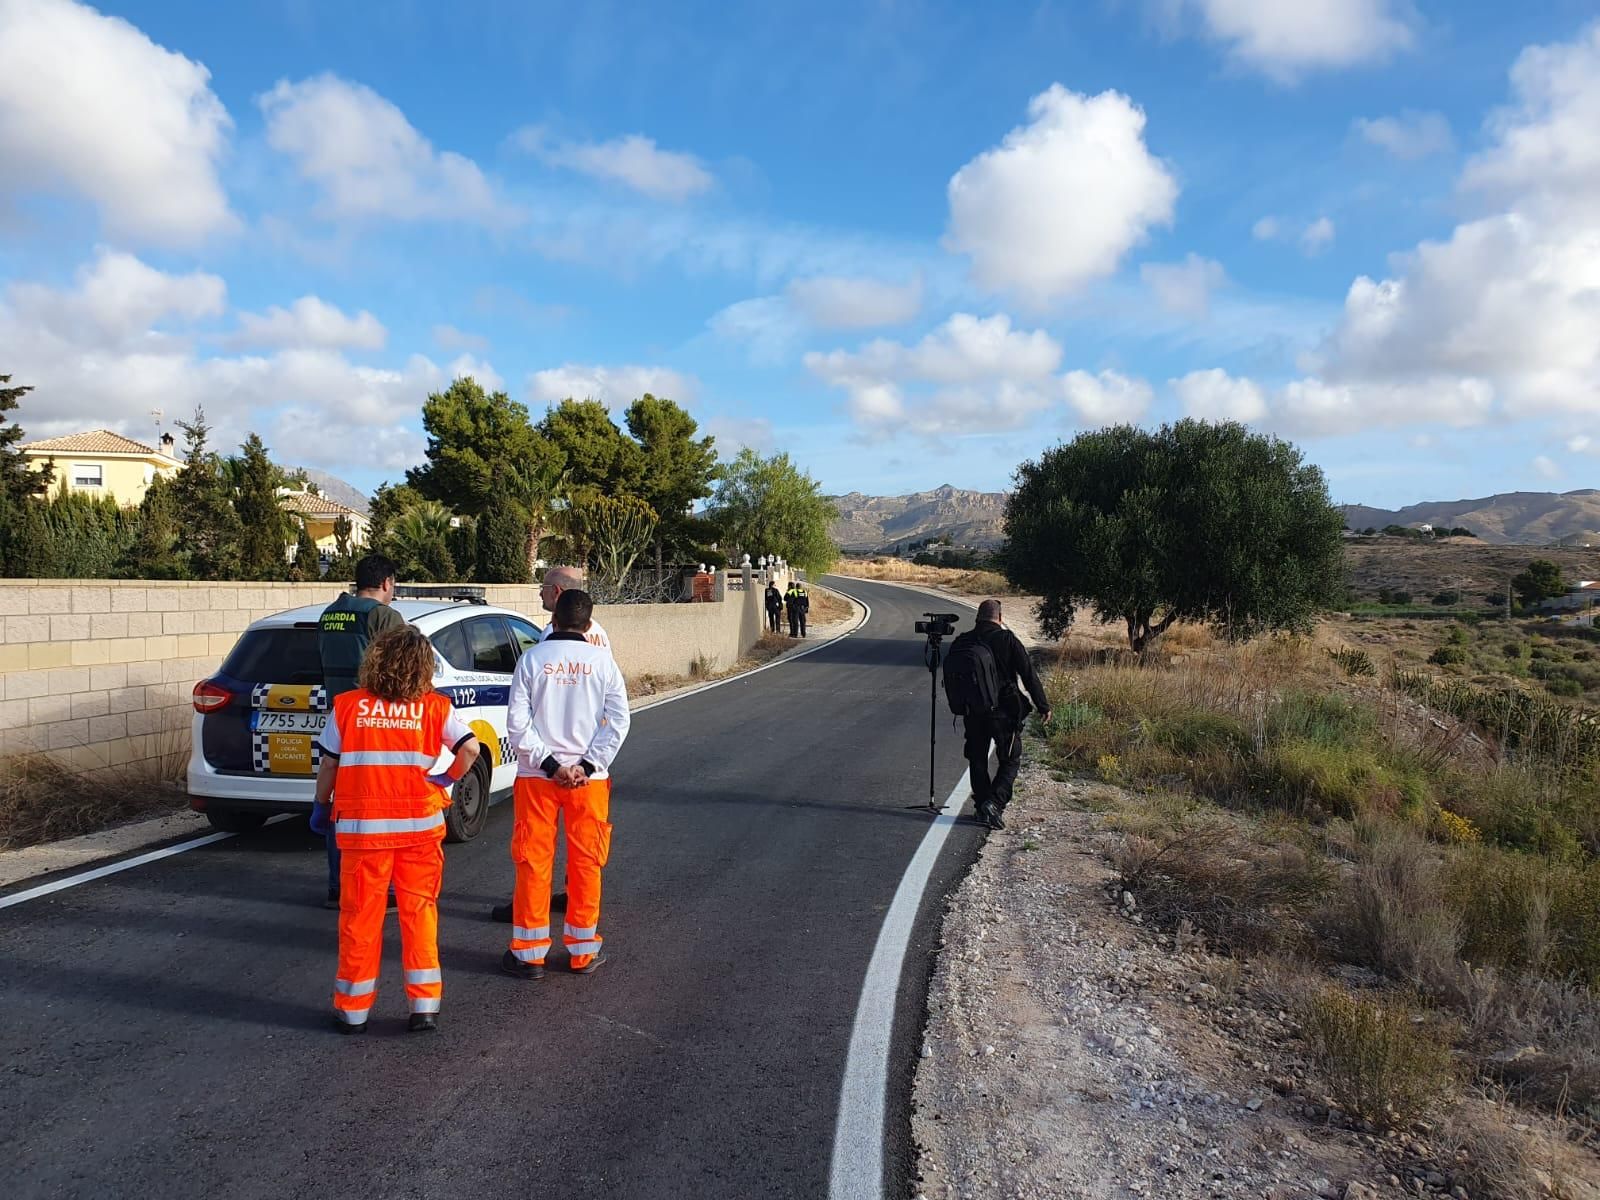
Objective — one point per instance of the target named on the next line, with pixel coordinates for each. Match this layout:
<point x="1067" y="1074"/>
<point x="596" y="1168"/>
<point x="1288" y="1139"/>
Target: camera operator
<point x="1002" y="724"/>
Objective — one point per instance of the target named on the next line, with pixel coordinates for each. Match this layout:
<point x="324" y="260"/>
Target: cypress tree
<point x="210" y="527"/>
<point x="264" y="526"/>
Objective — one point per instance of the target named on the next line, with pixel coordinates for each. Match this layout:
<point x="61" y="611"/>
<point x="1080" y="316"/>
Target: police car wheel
<point x="469" y="807"/>
<point x="231" y="820"/>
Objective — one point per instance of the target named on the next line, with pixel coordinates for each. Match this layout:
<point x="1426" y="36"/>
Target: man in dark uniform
<point x="797" y="604"/>
<point x="774" y="606"/>
<point x="343" y="632"/>
<point x="1003" y="727"/>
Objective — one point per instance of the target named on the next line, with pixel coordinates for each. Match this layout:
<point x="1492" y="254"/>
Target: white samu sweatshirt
<point x="568" y="705"/>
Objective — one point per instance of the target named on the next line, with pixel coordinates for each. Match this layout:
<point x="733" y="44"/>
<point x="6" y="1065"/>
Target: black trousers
<point x="797" y="622"/>
<point x="1005" y="735"/>
<point x="772" y="618"/>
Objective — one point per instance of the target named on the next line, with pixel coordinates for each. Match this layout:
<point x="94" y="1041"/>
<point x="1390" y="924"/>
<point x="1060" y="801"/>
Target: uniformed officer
<point x="344" y="631"/>
<point x="796" y="604"/>
<point x="774" y="601"/>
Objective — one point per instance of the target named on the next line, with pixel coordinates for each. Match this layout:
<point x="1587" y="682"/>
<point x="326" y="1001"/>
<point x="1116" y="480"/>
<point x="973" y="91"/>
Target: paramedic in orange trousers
<point x="557" y="580"/>
<point x="567" y="717"/>
<point x="378" y="753"/>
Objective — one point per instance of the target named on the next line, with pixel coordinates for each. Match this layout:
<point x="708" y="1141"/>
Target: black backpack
<point x="971" y="679"/>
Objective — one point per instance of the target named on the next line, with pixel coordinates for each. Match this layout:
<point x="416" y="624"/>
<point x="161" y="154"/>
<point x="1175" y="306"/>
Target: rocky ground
<point x="1072" y="1051"/>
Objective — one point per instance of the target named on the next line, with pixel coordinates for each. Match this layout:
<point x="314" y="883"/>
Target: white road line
<point x="128" y="864"/>
<point x="857" y="1172"/>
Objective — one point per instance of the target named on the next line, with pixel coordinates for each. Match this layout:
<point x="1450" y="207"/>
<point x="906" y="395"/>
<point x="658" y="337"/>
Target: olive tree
<point x="1195" y="521"/>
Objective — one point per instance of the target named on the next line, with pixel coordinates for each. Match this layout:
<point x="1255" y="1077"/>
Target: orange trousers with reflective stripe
<point x="539" y="802"/>
<point x="364" y="876"/>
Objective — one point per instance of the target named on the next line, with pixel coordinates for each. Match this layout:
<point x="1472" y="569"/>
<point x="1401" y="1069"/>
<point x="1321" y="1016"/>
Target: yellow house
<point x="319" y="514"/>
<point x="102" y="463"/>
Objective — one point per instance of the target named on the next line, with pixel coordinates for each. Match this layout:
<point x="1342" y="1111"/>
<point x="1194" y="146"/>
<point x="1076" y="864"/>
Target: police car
<point x="257" y="719"/>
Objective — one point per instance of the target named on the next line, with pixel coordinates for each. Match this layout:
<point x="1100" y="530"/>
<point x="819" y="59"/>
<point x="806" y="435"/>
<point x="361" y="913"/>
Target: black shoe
<point x="558" y="902"/>
<point x="981" y="812"/>
<point x="345" y="1027"/>
<point x="517" y="969"/>
<point x="995" y="820"/>
<point x="594" y="964"/>
<point x="423" y="1023"/>
<point x="333" y="899"/>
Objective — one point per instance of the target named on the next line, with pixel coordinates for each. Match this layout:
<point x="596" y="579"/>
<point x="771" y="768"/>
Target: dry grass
<point x="828" y="607"/>
<point x="1383" y="1060"/>
<point x="42" y="800"/>
<point x="896" y="570"/>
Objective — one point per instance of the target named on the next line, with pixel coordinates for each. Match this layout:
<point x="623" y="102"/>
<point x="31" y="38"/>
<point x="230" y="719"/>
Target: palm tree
<point x="542" y="490"/>
<point x="419" y="541"/>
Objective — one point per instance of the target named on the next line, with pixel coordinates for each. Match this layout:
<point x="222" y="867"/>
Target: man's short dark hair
<point x="989" y="610"/>
<point x="574" y="609"/>
<point x="372" y="570"/>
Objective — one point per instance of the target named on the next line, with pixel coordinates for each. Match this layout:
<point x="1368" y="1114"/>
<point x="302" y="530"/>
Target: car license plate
<point x="267" y="721"/>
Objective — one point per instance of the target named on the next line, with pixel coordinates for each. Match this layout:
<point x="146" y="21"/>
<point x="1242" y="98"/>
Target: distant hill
<point x="1513" y="518"/>
<point x="335" y="488"/>
<point x="869" y="523"/>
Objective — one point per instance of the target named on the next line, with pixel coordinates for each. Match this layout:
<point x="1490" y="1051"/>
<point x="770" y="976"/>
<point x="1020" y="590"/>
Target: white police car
<point x="257" y="719"/>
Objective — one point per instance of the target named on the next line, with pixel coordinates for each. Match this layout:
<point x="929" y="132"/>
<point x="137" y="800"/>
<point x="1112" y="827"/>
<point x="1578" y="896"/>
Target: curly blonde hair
<point x="398" y="665"/>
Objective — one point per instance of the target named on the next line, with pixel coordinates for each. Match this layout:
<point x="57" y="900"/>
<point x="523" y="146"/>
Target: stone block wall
<point x="98" y="674"/>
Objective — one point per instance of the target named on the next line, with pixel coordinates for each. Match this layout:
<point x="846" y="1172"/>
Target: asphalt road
<point x="165" y="1033"/>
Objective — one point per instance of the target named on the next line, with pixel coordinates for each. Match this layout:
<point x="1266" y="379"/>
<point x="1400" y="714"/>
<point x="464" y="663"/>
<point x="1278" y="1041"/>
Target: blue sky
<point x="910" y="243"/>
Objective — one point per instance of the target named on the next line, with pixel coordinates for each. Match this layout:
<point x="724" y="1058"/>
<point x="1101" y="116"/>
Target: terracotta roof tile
<point x="96" y="441"/>
<point x="307" y="504"/>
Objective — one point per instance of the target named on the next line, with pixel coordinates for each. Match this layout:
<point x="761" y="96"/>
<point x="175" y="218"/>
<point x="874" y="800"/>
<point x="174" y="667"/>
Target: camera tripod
<point x="936" y="628"/>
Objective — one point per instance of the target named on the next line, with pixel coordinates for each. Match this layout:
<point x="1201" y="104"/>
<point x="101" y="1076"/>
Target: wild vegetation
<point x="1423" y="854"/>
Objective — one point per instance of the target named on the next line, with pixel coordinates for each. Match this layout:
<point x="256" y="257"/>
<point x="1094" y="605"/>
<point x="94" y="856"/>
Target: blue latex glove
<point x="442" y="780"/>
<point x="321" y="818"/>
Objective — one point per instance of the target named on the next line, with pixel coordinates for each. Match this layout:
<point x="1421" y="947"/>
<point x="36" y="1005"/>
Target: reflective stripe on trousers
<point x="364" y="877"/>
<point x="540" y="805"/>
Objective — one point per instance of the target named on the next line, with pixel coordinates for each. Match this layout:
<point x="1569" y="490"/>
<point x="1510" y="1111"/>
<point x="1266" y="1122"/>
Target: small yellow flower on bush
<point x="1458" y="829"/>
<point x="1110" y="767"/>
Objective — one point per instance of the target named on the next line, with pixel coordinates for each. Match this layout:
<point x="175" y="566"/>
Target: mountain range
<point x="335" y="488"/>
<point x="1511" y="518"/>
<point x="868" y="524"/>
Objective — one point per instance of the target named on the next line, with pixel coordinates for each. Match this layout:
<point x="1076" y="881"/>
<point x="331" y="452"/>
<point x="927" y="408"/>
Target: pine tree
<point x="156" y="553"/>
<point x="307" y="566"/>
<point x="18" y="484"/>
<point x="264" y="532"/>
<point x="211" y="529"/>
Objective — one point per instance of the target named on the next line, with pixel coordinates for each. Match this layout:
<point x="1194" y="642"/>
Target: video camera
<point x="938" y="625"/>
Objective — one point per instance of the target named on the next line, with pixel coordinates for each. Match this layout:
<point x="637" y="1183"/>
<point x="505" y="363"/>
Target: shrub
<point x="1319" y="718"/>
<point x="1392" y="914"/>
<point x="1326" y="780"/>
<point x="1448" y="656"/>
<point x="1195" y="732"/>
<point x="1446" y="598"/>
<point x="1355" y="663"/>
<point x="1520" y="912"/>
<point x="1380" y="1065"/>
<point x="1564" y="685"/>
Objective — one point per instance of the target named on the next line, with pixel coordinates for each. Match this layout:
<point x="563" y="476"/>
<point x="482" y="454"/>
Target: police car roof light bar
<point x="460" y="593"/>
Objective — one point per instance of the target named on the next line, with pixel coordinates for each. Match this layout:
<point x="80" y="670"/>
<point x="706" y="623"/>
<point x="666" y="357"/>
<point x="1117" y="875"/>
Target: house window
<point x="87" y="475"/>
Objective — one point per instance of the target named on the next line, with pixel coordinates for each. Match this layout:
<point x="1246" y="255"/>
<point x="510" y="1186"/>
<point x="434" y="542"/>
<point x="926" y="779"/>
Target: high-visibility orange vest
<point x="382" y="798"/>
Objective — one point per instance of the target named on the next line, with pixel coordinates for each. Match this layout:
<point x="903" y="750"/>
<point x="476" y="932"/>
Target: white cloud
<point x="1546" y="467"/>
<point x="1107" y="398"/>
<point x="1545" y="158"/>
<point x="1580" y="443"/>
<point x="1318" y="236"/>
<point x="122" y="341"/>
<point x="1215" y="395"/>
<point x="634" y="161"/>
<point x="1319" y="407"/>
<point x="767" y="325"/>
<point x="615" y="387"/>
<point x="89" y="104"/>
<point x="971" y="373"/>
<point x="1410" y="135"/>
<point x="310" y="321"/>
<point x="448" y="337"/>
<point x="481" y="371"/>
<point x="1285" y="40"/>
<point x="368" y="160"/>
<point x="1184" y="288"/>
<point x="1267" y="229"/>
<point x="734" y="434"/>
<point x="838" y="302"/>
<point x="1059" y="202"/>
